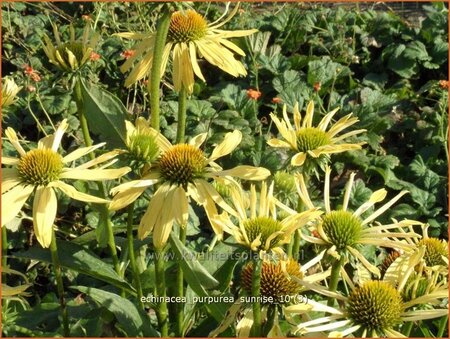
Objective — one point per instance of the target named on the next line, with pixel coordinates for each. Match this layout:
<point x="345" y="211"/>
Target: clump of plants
<point x="214" y="169"/>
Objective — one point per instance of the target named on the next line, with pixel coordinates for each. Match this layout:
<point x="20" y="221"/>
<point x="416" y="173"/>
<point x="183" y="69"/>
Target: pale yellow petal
<point x="46" y="142"/>
<point x="100" y="159"/>
<point x="44" y="214"/>
<point x="94" y="174"/>
<point x="229" y="143"/>
<point x="13" y="200"/>
<point x="278" y="143"/>
<point x="74" y="194"/>
<point x="9" y="161"/>
<point x="78" y="153"/>
<point x="384" y="208"/>
<point x="181" y="204"/>
<point x="153" y="212"/>
<point x="147" y="180"/>
<point x="198" y="140"/>
<point x="14" y="140"/>
<point x="244" y="172"/>
<point x="194" y="62"/>
<point x="125" y="198"/>
<point x="323" y="124"/>
<point x="9" y="176"/>
<point x="298" y="159"/>
<point x="59" y="134"/>
<point x="164" y="223"/>
<point x="307" y="122"/>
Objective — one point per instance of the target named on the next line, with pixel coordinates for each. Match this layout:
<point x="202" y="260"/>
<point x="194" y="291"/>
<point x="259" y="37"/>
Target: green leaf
<point x="198" y="278"/>
<point x="77" y="258"/>
<point x="324" y="71"/>
<point x="134" y="322"/>
<point x="56" y="101"/>
<point x="105" y="114"/>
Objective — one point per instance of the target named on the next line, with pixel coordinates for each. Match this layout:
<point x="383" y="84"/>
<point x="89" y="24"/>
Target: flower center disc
<point x="274" y="282"/>
<point x="186" y="27"/>
<point x="342" y="228"/>
<point x="181" y="164"/>
<point x="143" y="147"/>
<point x="40" y="167"/>
<point x="434" y="250"/>
<point x="264" y="226"/>
<point x="310" y="138"/>
<point x="375" y="305"/>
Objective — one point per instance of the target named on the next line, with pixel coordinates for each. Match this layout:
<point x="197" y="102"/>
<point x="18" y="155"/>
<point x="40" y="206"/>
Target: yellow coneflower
<point x="376" y="308"/>
<point x="313" y="144"/>
<point x="42" y="170"/>
<point x="257" y="226"/>
<point x="342" y="231"/>
<point x="189" y="36"/>
<point x="71" y="55"/>
<point x="183" y="170"/>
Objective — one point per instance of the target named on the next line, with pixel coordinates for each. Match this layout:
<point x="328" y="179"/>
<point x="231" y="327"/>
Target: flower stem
<point x="443" y="325"/>
<point x="161" y="290"/>
<point x="130" y="238"/>
<point x="59" y="283"/>
<point x="407" y="328"/>
<point x="256" y="292"/>
<point x="155" y="76"/>
<point x="334" y="277"/>
<point x="181" y="128"/>
<point x="180" y="288"/>
<point x="88" y="142"/>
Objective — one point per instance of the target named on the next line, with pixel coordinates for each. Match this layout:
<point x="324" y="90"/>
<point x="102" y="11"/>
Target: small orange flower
<point x="94" y="56"/>
<point x="86" y="17"/>
<point x="128" y="53"/>
<point x="276" y="100"/>
<point x="29" y="71"/>
<point x="253" y="94"/>
<point x="317" y="86"/>
<point x="443" y="84"/>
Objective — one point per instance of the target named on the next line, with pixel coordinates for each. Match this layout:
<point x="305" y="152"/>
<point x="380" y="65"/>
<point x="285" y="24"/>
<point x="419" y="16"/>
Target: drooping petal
<point x="145" y="181"/>
<point x="13" y="200"/>
<point x="44" y="214"/>
<point x="278" y="143"/>
<point x="77" y="195"/>
<point x="124" y="198"/>
<point x="94" y="174"/>
<point x="194" y="62"/>
<point x="229" y="143"/>
<point x="153" y="212"/>
<point x="163" y="225"/>
<point x="181" y="210"/>
<point x="298" y="159"/>
<point x="323" y="124"/>
<point x="10" y="179"/>
<point x="244" y="172"/>
<point x="384" y="208"/>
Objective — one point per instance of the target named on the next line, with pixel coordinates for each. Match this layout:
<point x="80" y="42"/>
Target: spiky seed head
<point x="39" y="167"/>
<point x="342" y="228"/>
<point x="186" y="26"/>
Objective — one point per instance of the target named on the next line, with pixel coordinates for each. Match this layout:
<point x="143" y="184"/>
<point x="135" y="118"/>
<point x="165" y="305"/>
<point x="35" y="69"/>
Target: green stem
<point x="180" y="289"/>
<point x="130" y="238"/>
<point x="59" y="283"/>
<point x="155" y="76"/>
<point x="408" y="327"/>
<point x="88" y="142"/>
<point x="443" y="325"/>
<point x="181" y="128"/>
<point x="296" y="245"/>
<point x="161" y="290"/>
<point x="334" y="277"/>
<point x="256" y="292"/>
